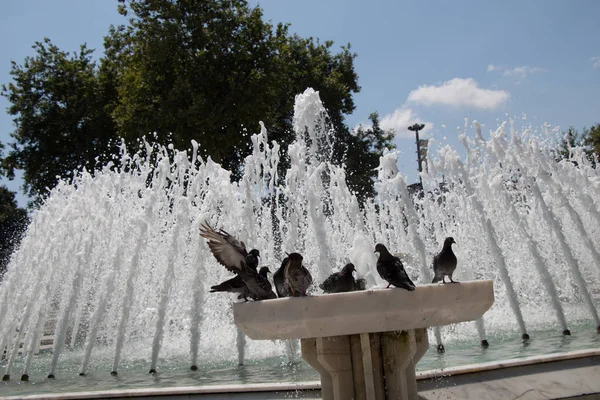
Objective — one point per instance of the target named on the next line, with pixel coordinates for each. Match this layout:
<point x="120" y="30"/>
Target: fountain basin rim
<point x="365" y="311"/>
<point x="302" y="386"/>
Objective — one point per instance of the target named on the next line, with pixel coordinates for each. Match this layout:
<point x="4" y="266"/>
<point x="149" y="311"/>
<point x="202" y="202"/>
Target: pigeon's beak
<point x="376" y="254"/>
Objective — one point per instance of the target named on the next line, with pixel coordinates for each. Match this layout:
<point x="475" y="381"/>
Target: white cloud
<point x="401" y="119"/>
<point x="491" y="67"/>
<point x="519" y="72"/>
<point x="596" y="62"/>
<point x="458" y="92"/>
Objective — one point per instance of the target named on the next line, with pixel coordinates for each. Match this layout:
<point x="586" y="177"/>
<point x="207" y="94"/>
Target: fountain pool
<point x="112" y="268"/>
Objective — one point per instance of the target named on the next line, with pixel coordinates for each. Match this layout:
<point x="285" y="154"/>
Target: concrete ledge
<point x="557" y="376"/>
<point x="365" y="311"/>
<point x="552" y="378"/>
<point x="303" y="390"/>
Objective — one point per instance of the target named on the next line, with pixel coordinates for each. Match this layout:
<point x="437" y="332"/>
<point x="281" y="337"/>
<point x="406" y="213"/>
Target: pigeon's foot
<point x="566" y="332"/>
<point x="114" y="373"/>
<point x="525" y="337"/>
<point x="51" y="376"/>
<point x="598" y="329"/>
<point x="388" y="286"/>
<point x="194" y="368"/>
<point x="440" y="348"/>
<point x="485" y="344"/>
<point x="82" y="374"/>
<point x="24" y="378"/>
<point x="454" y="282"/>
<point x="152" y="371"/>
<point x="6" y="378"/>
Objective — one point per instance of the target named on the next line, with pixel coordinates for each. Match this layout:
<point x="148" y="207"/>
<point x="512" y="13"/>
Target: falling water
<point x="112" y="265"/>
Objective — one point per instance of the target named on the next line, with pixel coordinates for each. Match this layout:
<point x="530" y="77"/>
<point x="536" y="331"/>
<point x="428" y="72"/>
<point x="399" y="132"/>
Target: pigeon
<point x="259" y="287"/>
<point x="279" y="281"/>
<point x="232" y="254"/>
<point x="390" y="268"/>
<point x="339" y="282"/>
<point x="233" y="285"/>
<point x="292" y="279"/>
<point x="444" y="263"/>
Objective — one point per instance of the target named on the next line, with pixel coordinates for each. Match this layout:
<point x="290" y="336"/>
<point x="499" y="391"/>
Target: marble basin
<point x="366" y="311"/>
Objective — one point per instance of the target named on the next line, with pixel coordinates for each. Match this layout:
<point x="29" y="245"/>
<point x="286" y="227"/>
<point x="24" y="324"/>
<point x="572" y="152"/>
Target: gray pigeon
<point x="232" y="254"/>
<point x="296" y="278"/>
<point x="444" y="263"/>
<point x="339" y="282"/>
<point x="390" y="268"/>
<point x="279" y="280"/>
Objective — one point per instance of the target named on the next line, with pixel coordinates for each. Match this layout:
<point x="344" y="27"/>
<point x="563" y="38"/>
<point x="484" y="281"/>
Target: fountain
<point x="112" y="268"/>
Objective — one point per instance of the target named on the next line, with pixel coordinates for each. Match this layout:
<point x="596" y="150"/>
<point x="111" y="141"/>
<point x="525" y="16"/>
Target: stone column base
<point x="367" y="366"/>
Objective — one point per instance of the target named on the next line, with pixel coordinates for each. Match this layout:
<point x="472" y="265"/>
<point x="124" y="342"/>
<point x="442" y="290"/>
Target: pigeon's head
<point x="255" y="253"/>
<point x="449" y="241"/>
<point x="379" y="249"/>
<point x="348" y="268"/>
<point x="295" y="257"/>
<point x="263" y="271"/>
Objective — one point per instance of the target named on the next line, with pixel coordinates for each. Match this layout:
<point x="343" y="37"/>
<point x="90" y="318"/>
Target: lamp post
<point x="416" y="128"/>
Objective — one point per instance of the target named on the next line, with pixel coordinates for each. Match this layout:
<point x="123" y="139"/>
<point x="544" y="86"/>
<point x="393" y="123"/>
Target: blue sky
<point x="436" y="62"/>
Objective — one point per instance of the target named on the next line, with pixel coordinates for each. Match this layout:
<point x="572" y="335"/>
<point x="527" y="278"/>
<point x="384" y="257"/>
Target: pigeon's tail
<point x="220" y="288"/>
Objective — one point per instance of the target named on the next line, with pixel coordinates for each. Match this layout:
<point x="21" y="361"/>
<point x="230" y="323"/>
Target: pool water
<point x="174" y="373"/>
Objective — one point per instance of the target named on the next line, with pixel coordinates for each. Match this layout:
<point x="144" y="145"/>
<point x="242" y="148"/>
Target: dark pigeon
<point x="339" y="282"/>
<point x="233" y="285"/>
<point x="258" y="284"/>
<point x="279" y="280"/>
<point x="296" y="278"/>
<point x="390" y="269"/>
<point x="232" y="254"/>
<point x="444" y="263"/>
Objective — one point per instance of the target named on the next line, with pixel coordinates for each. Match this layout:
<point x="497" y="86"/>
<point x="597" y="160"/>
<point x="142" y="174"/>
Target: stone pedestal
<point x="365" y="344"/>
<point x="369" y="366"/>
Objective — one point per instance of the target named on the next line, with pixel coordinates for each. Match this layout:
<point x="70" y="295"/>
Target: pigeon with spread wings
<point x="232" y="254"/>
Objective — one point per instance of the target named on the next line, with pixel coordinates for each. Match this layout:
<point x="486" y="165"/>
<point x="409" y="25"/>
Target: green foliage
<point x="207" y="70"/>
<point x="188" y="70"/>
<point x="362" y="158"/>
<point x="571" y="138"/>
<point x="591" y="138"/>
<point x="61" y="116"/>
<point x="13" y="221"/>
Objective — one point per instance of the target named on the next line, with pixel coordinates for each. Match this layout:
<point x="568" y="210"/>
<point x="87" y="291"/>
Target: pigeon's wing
<point x="386" y="270"/>
<point x="435" y="263"/>
<point x="279" y="280"/>
<point x="330" y="283"/>
<point x="228" y="251"/>
<point x="308" y="279"/>
<point x="401" y="274"/>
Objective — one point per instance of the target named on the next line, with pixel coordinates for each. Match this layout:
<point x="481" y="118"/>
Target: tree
<point x="591" y="138"/>
<point x="207" y="70"/>
<point x="13" y="221"/>
<point x="188" y="70"/>
<point x="62" y="116"/>
<point x="571" y="138"/>
<point x="364" y="149"/>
